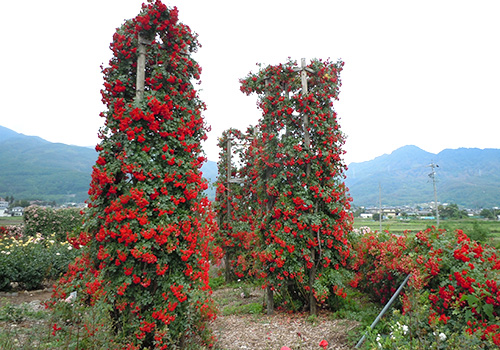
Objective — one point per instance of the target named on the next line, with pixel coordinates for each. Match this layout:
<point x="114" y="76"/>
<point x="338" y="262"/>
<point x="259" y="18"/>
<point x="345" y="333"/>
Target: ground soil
<point x="19" y="297"/>
<point x="245" y="331"/>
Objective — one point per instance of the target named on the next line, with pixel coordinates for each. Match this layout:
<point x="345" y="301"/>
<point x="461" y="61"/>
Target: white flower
<point x="58" y="253"/>
<point x="442" y="336"/>
<point x="398" y="326"/>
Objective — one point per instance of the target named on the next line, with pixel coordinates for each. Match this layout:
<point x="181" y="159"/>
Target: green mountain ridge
<point x="33" y="168"/>
<point x="469" y="177"/>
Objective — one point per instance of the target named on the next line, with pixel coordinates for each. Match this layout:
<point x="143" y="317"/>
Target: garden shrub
<point x="234" y="209"/>
<point x="47" y="221"/>
<point x="459" y="277"/>
<point x="148" y="228"/>
<point x="33" y="261"/>
<point x="295" y="177"/>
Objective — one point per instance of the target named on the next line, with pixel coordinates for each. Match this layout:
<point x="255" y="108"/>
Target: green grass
<point x="252" y="309"/>
<point x="19" y="313"/>
<point x="397" y="226"/>
<point x="10" y="220"/>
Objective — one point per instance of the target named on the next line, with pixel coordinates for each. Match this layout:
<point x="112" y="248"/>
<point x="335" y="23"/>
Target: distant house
<point x="3" y="203"/>
<point x="17" y="211"/>
<point x="366" y="216"/>
<point x="4" y="212"/>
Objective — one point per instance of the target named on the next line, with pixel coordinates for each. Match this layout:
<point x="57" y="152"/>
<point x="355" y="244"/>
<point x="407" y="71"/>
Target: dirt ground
<point x="20" y="297"/>
<point x="247" y="331"/>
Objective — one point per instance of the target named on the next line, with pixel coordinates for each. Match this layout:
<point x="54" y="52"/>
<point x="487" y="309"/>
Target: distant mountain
<point x="33" y="168"/>
<point x="469" y="177"/>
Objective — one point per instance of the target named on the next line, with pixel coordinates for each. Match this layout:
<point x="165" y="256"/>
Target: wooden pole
<point x="228" y="256"/>
<point x="228" y="174"/>
<point x="141" y="68"/>
<point x="313" y="309"/>
<point x="305" y="117"/>
<point x="270" y="301"/>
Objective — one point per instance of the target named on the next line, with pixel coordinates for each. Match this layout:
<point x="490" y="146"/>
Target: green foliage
<point x="488" y="214"/>
<point x="216" y="282"/>
<point x="31" y="261"/>
<point x="453" y="287"/>
<point x="411" y="330"/>
<point x="294" y="176"/>
<point x="479" y="232"/>
<point x="451" y="211"/>
<point x="20" y="203"/>
<point x="50" y="221"/>
<point x="18" y="313"/>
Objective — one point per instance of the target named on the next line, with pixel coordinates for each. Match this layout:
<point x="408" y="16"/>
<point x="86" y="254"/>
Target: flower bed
<point x="456" y="279"/>
<point x="31" y="261"/>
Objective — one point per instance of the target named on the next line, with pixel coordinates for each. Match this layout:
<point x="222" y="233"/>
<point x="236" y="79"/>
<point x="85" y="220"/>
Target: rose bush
<point x="147" y="231"/>
<point x="458" y="276"/>
<point x="234" y="208"/>
<point x="32" y="261"/>
<point x="47" y="220"/>
<point x="295" y="173"/>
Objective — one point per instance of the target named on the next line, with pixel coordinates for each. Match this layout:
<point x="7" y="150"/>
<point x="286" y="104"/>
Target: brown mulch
<point x="260" y="332"/>
<point x="246" y="331"/>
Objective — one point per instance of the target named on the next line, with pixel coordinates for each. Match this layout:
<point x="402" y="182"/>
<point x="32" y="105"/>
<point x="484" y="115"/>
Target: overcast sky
<point x="425" y="73"/>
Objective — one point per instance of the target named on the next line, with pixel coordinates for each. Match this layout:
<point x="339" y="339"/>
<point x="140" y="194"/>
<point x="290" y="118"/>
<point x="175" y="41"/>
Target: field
<point x="10" y="220"/>
<point x="396" y="226"/>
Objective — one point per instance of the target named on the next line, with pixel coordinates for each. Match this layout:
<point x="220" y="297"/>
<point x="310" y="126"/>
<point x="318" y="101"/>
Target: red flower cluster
<point x="460" y="275"/>
<point x="148" y="228"/>
<point x="293" y="195"/>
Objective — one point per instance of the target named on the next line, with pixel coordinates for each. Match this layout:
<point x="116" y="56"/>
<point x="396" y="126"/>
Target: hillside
<point x="33" y="168"/>
<point x="469" y="177"/>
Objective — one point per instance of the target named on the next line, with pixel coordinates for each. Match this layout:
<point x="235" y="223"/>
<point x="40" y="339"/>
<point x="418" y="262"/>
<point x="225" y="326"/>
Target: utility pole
<point x="432" y="175"/>
<point x="380" y="207"/>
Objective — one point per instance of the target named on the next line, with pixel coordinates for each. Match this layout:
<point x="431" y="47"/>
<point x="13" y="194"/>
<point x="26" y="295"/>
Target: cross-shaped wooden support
<point x="229" y="178"/>
<point x="141" y="67"/>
